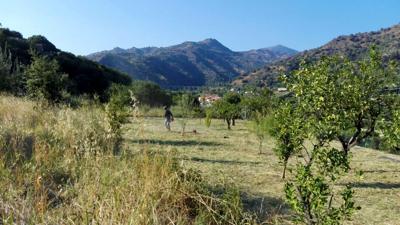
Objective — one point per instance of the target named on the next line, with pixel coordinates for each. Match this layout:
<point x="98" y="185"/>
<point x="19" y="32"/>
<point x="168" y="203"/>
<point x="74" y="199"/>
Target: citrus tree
<point x="335" y="100"/>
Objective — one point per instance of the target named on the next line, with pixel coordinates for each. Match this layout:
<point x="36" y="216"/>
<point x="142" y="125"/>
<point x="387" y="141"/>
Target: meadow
<point x="59" y="166"/>
<point x="232" y="157"/>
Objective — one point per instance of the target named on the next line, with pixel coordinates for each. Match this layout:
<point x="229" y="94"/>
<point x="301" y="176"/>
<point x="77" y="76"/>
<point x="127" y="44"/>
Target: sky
<point x="86" y="26"/>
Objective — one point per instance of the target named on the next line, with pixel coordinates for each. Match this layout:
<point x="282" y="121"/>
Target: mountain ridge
<point x="206" y="62"/>
<point x="354" y="46"/>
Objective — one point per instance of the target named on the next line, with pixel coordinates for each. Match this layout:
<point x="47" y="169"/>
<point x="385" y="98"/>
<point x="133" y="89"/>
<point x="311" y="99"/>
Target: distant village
<point x="208" y="99"/>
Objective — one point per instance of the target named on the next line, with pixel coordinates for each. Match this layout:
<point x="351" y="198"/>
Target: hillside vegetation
<point x="84" y="76"/>
<point x="354" y="46"/>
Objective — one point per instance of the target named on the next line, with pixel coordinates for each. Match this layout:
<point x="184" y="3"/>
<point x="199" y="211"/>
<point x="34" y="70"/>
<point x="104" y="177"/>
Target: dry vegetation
<point x="58" y="167"/>
<point x="225" y="156"/>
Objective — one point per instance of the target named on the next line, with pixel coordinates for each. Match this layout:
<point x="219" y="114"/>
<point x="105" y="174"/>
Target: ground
<point x="232" y="156"/>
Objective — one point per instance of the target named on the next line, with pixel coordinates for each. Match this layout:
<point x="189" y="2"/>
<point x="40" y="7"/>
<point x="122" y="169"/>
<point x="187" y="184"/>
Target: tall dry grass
<point x="58" y="166"/>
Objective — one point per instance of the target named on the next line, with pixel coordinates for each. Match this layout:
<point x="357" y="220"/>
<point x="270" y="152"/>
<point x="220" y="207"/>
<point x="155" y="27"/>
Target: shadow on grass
<point x="377" y="185"/>
<point x="197" y="159"/>
<point x="175" y="142"/>
<point x="390" y="159"/>
<point x="266" y="208"/>
<point x="381" y="171"/>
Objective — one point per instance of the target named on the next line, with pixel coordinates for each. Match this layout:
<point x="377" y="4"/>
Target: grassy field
<point x="58" y="166"/>
<point x="232" y="157"/>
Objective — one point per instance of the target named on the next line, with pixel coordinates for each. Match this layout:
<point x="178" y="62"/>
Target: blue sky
<point x="86" y="26"/>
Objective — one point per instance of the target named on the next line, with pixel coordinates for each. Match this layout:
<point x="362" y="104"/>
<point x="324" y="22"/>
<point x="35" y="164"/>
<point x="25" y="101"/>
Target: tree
<point x="44" y="79"/>
<point x="11" y="76"/>
<point x="186" y="104"/>
<point x="257" y="102"/>
<point x="391" y="133"/>
<point x="228" y="108"/>
<point x="117" y="113"/>
<point x="224" y="110"/>
<point x="234" y="99"/>
<point x="261" y="126"/>
<point x="5" y="69"/>
<point x="335" y="100"/>
<point x="150" y="94"/>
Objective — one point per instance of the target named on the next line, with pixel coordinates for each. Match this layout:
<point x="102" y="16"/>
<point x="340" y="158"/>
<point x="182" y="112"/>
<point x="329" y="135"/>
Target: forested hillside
<point x="354" y="46"/>
<point x="83" y="75"/>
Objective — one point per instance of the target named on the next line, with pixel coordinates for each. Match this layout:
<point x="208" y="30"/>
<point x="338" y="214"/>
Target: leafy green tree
<point x="5" y="69"/>
<point x="224" y="110"/>
<point x="11" y="76"/>
<point x="44" y="79"/>
<point x="187" y="110"/>
<point x="117" y="113"/>
<point x="150" y="94"/>
<point x="234" y="100"/>
<point x="256" y="102"/>
<point x="228" y="108"/>
<point x="261" y="127"/>
<point x="335" y="100"/>
<point x="391" y="133"/>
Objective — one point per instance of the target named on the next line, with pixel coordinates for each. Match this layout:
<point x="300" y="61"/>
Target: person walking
<point x="168" y="118"/>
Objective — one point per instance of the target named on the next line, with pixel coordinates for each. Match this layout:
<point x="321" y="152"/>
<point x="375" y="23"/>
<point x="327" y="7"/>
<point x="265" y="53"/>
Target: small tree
<point x="224" y="110"/>
<point x="256" y="102"/>
<point x="261" y="126"/>
<point x="186" y="104"/>
<point x="391" y="133"/>
<point x="335" y="100"/>
<point x="228" y="108"/>
<point x="44" y="79"/>
<point x="234" y="99"/>
<point x="117" y="112"/>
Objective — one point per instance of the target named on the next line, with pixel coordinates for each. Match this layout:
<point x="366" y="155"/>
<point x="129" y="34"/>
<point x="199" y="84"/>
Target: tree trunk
<point x="228" y="121"/>
<point x="284" y="170"/>
<point x="233" y="122"/>
<point x="260" y="146"/>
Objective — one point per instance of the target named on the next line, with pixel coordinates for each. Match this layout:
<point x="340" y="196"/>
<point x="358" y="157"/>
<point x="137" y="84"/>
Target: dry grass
<point x="57" y="167"/>
<point x="232" y="156"/>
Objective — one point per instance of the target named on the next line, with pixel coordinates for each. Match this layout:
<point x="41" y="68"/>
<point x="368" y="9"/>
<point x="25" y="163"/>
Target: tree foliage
<point x="150" y="94"/>
<point x="85" y="77"/>
<point x="228" y="108"/>
<point x="44" y="79"/>
<point x="11" y="77"/>
<point x="335" y="100"/>
<point x="257" y="102"/>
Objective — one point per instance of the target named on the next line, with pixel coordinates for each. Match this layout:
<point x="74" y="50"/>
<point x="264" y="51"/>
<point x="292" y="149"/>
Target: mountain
<point x="189" y="63"/>
<point x="85" y="76"/>
<point x="354" y="46"/>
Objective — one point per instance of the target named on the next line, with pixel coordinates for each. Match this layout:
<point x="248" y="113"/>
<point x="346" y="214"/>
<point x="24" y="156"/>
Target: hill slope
<point x="189" y="63"/>
<point x="355" y="46"/>
<point x="84" y="75"/>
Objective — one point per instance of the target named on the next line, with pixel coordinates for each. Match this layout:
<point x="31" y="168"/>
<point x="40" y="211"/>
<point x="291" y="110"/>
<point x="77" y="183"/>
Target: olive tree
<point x="335" y="100"/>
<point x="227" y="108"/>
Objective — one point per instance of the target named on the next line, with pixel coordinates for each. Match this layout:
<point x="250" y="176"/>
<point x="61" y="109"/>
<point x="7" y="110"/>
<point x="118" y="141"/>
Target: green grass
<point x="225" y="156"/>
